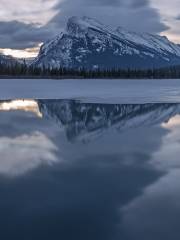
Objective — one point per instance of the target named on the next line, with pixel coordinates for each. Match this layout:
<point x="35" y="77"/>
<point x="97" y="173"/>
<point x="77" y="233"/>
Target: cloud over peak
<point x="25" y="25"/>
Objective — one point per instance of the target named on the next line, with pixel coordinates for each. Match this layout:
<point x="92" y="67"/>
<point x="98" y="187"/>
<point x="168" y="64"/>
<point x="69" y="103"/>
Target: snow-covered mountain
<point x="84" y="122"/>
<point x="88" y="43"/>
<point x="7" y="60"/>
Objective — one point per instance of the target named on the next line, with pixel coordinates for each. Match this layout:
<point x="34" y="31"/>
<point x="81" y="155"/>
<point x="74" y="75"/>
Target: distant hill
<point x="7" y="60"/>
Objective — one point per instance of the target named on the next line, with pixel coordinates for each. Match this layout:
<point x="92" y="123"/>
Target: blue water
<point x="72" y="170"/>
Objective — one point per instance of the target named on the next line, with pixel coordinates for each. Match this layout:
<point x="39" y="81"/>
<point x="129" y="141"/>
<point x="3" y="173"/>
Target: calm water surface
<point x="71" y="170"/>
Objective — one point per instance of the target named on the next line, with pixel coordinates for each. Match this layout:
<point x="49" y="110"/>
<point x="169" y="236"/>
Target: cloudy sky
<point x="25" y="24"/>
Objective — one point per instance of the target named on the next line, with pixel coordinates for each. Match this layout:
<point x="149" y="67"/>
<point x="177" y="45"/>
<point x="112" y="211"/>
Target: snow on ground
<point x="102" y="91"/>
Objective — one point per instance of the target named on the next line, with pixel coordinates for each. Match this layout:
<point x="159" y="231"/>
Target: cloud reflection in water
<point x="156" y="211"/>
<point x="24" y="153"/>
<point x="24" y="140"/>
<point x="24" y="105"/>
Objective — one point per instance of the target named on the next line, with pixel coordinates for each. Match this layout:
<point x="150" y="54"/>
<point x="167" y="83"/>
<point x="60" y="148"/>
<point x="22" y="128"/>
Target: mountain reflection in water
<point x="72" y="170"/>
<point x="83" y="121"/>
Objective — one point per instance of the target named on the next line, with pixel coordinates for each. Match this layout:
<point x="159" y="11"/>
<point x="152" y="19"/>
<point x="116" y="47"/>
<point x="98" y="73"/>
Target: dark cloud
<point x="125" y="13"/>
<point x="140" y="3"/>
<point x="177" y="18"/>
<point x="120" y="3"/>
<point x="18" y="35"/>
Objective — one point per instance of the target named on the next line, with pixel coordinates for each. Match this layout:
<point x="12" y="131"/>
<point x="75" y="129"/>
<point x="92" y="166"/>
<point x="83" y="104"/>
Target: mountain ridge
<point x="87" y="43"/>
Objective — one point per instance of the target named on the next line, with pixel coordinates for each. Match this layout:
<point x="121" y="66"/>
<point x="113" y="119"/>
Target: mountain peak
<point x="80" y="25"/>
<point x="90" y="44"/>
<point x="84" y="21"/>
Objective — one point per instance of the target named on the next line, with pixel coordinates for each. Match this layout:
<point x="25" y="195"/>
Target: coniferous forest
<point x="22" y="70"/>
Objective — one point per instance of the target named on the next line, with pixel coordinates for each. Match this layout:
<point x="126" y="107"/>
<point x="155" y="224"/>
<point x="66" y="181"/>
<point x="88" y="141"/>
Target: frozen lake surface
<point x="107" y="91"/>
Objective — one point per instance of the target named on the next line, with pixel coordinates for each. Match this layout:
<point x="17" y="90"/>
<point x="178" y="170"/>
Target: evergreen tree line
<point x="23" y="70"/>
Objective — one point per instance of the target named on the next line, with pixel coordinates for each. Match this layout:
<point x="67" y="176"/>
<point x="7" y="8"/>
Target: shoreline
<point x="77" y="78"/>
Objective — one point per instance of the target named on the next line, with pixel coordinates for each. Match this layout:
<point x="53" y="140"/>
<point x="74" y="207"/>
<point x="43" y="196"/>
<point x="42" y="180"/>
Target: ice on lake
<point x="107" y="91"/>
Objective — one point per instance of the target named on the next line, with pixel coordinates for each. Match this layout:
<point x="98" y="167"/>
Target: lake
<point x="74" y="169"/>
